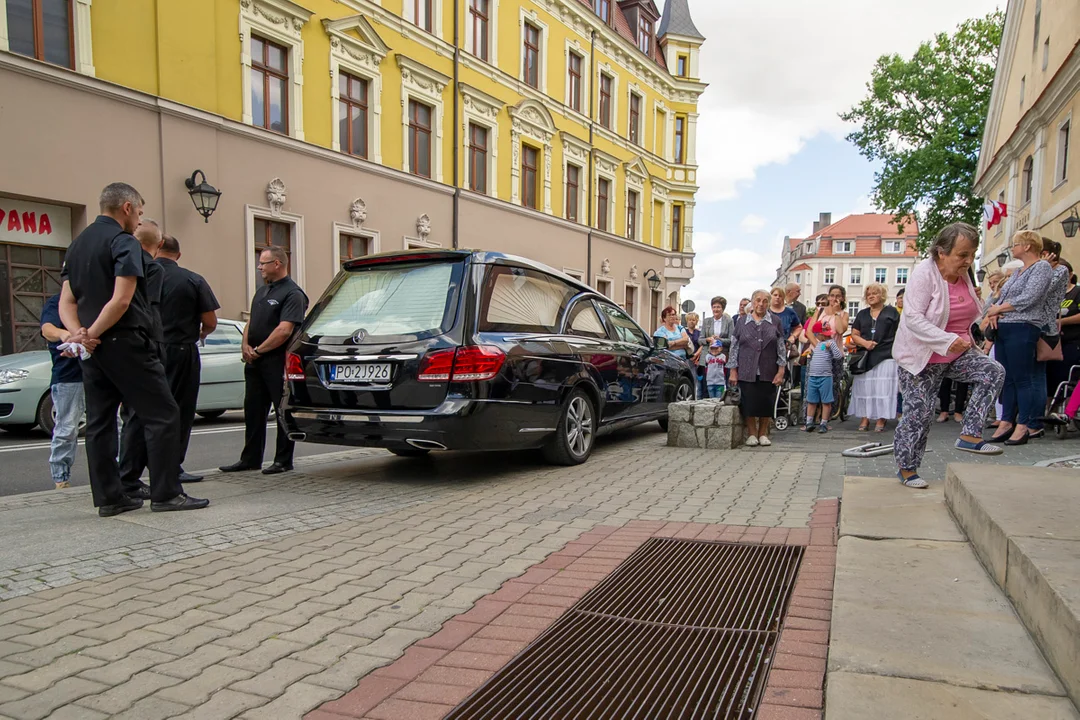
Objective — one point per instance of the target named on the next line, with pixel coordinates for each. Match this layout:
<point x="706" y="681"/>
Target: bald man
<point x="793" y="292"/>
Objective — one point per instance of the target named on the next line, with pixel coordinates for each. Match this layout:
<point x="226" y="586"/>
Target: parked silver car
<point x="25" y="401"/>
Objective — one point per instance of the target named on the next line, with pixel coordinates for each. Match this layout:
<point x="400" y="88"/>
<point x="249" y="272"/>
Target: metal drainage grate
<point x="682" y="629"/>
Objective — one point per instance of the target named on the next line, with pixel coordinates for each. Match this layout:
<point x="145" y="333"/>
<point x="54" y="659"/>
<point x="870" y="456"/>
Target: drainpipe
<point x="457" y="123"/>
<point x="589" y="219"/>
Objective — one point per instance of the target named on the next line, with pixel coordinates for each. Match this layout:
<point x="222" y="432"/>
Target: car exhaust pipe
<point x="297" y="436"/>
<point x="426" y="444"/>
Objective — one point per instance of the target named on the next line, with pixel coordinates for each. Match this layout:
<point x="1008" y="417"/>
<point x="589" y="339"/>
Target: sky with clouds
<point x="771" y="145"/>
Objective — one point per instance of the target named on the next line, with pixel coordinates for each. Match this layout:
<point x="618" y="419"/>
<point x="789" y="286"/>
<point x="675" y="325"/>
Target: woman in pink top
<point x="934" y="342"/>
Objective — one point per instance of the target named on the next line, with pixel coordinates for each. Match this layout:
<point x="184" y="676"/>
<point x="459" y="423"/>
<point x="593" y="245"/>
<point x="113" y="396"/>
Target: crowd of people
<point x="124" y="334"/>
<point x="939" y="352"/>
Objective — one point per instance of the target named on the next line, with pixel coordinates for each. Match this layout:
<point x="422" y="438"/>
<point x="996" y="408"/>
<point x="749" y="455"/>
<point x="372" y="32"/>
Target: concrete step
<point x="1024" y="523"/>
<point x="918" y="628"/>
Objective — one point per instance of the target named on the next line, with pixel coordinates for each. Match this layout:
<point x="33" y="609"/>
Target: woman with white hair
<point x="757" y="362"/>
<point x="873" y="394"/>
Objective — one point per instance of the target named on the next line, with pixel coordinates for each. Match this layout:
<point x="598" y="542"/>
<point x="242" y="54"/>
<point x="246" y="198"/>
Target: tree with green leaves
<point x="923" y="119"/>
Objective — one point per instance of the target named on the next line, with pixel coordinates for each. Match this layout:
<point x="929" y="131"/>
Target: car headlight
<point x="10" y="376"/>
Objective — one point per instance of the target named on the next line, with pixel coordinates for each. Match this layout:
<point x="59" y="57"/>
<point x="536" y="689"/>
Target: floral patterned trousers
<point x="920" y="392"/>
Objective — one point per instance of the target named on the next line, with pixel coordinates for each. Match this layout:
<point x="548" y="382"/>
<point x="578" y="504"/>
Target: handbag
<point x="1045" y="351"/>
<point x="859" y="362"/>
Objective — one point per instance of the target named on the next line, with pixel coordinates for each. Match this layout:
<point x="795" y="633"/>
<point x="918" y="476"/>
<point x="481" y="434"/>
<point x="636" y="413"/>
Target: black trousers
<point x="945" y="395"/>
<point x="264" y="385"/>
<point x="126" y="369"/>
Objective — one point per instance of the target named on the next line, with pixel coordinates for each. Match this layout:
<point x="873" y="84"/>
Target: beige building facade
<point x="1028" y="159"/>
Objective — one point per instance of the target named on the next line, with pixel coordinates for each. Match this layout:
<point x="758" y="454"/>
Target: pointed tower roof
<point x="677" y="20"/>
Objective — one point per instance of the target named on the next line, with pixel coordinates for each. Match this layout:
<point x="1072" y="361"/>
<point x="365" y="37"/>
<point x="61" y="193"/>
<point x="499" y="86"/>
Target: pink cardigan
<point x="926" y="312"/>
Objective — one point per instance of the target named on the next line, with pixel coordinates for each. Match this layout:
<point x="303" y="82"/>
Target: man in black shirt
<point x="66" y="392"/>
<point x="276" y="311"/>
<point x="133" y="435"/>
<point x="188" y="315"/>
<point x="793" y="291"/>
<point x="105" y="307"/>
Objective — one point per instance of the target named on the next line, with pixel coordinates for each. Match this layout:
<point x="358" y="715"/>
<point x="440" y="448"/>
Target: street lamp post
<point x="1071" y="224"/>
<point x="204" y="195"/>
<point x="653" y="278"/>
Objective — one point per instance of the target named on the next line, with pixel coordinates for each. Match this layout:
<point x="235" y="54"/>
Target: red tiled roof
<point x="803" y="266"/>
<point x="622" y="27"/>
<point x="867" y="230"/>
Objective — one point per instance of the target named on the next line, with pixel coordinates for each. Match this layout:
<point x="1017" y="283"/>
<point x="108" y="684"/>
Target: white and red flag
<point x="994" y="211"/>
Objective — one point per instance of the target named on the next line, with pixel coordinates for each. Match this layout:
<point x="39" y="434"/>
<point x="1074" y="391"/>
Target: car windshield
<point x="415" y="300"/>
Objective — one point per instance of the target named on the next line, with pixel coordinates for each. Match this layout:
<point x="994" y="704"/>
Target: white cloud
<point x="752" y="224"/>
<point x="732" y="272"/>
<point x="780" y="72"/>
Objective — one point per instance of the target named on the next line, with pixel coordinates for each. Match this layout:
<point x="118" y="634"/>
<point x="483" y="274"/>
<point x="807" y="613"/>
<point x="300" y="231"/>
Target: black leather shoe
<point x="238" y="467"/>
<point x="1036" y="434"/>
<point x="127" y="505"/>
<point x="276" y="468"/>
<point x="142" y="492"/>
<point x="180" y="502"/>
<point x="1002" y="437"/>
<point x="1021" y="441"/>
<point x="186" y="477"/>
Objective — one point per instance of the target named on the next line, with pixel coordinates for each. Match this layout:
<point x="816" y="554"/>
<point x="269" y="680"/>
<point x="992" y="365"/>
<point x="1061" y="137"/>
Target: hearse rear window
<point x="520" y="300"/>
<point x="392" y="300"/>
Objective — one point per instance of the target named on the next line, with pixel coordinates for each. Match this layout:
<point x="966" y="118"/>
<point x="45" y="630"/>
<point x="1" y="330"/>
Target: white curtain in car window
<point x="401" y="301"/>
<point x="525" y="300"/>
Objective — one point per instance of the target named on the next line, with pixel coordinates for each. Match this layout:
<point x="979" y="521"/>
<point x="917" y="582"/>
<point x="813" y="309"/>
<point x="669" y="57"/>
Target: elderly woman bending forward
<point x="934" y="342"/>
<point x="757" y="362"/>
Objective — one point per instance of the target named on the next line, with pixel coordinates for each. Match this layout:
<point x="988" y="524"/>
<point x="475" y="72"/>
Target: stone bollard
<point x="704" y="424"/>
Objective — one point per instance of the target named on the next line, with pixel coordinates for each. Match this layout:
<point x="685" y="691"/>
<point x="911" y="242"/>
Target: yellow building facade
<point x="564" y="130"/>
<point x="1028" y="158"/>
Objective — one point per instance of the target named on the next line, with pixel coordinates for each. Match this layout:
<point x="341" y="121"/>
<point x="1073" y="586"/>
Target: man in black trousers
<point x="133" y="435"/>
<point x="105" y="307"/>
<point x="188" y="315"/>
<point x="276" y="311"/>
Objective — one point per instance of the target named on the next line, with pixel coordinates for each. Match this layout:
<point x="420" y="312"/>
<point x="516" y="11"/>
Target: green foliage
<point x="923" y="119"/>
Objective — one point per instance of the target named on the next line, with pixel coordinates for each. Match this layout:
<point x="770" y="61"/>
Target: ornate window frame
<point x="281" y="21"/>
<point x="493" y="32"/>
<point x="576" y="153"/>
<point x="606" y="167"/>
<point x="635" y="173"/>
<point x="421" y="83"/>
<point x="83" y="60"/>
<point x="530" y="119"/>
<point x="275" y="197"/>
<point x="636" y="287"/>
<point x="360" y="58"/>
<point x="355" y="227"/>
<point x="612" y="71"/>
<point x="479" y="108"/>
<point x="574" y="45"/>
<point x="408" y="13"/>
<point x="533" y="18"/>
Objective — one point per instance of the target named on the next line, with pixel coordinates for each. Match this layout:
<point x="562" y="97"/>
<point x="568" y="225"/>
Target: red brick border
<point x="437" y="673"/>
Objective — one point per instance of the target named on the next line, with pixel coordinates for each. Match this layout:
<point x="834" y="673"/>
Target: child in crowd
<point x="715" y="380"/>
<point x="819" y="383"/>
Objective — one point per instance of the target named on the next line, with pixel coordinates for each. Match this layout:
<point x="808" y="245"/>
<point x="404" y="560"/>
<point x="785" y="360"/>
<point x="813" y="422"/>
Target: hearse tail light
<point x="465" y="364"/>
<point x="294" y="367"/>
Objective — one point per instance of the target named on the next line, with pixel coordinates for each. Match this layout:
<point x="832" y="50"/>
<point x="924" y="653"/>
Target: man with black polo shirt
<point x="105" y="308"/>
<point x="276" y="310"/>
<point x="66" y="390"/>
<point x="188" y="315"/>
<point x="133" y="435"/>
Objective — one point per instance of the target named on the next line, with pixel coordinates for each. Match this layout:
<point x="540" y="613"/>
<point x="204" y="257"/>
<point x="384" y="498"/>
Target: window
<point x="603" y="195"/>
<point x="843" y="247"/>
<point x="421" y="13"/>
<point x="478" y="158"/>
<point x="881" y="275"/>
<point x="853" y="307"/>
<point x="603" y="9"/>
<point x="1023" y="86"/>
<point x="1027" y="179"/>
<point x="856" y="276"/>
<point x="531" y="69"/>
<point x="519" y="300"/>
<point x="1062" y="171"/>
<point x="584" y="321"/>
<point x="676" y="227"/>
<point x="353" y="114"/>
<point x="529" y="164"/>
<point x="269" y="85"/>
<point x="654" y="307"/>
<point x="635" y="119"/>
<point x="894" y="246"/>
<point x="419" y="139"/>
<point x="351" y="247"/>
<point x="574" y="71"/>
<point x="623" y="328"/>
<point x="478" y="17"/>
<point x="680" y="139"/>
<point x="682" y="66"/>
<point x="573" y="190"/>
<point x="43" y="30"/>
<point x="270" y="233"/>
<point x="830" y="276"/>
<point x="226" y="338"/>
<point x="798" y="278"/>
<point x="631" y="214"/>
<point x="644" y="35"/>
<point x="901" y="276"/>
<point x="1046" y="53"/>
<point x="1038" y="25"/>
<point x="809" y="249"/>
<point x="605" y="100"/>
<point x="629" y="299"/>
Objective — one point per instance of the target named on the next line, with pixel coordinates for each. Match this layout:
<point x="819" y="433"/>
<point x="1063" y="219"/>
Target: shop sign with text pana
<point x="31" y="223"/>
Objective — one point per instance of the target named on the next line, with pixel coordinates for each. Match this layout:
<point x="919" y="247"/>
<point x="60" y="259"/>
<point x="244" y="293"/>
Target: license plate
<point x="360" y="373"/>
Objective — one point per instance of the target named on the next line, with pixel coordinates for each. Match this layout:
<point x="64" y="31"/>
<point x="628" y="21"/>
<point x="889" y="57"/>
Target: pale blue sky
<point x="771" y="146"/>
